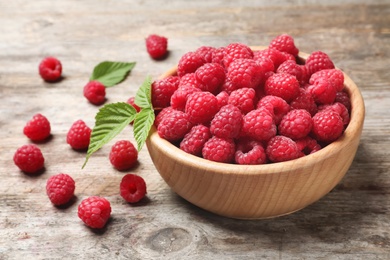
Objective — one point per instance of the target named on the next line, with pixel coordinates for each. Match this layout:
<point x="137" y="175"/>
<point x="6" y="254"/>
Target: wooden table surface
<point x="351" y="222"/>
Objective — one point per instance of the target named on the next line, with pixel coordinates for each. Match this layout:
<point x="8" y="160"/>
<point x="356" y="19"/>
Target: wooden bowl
<point x="259" y="191"/>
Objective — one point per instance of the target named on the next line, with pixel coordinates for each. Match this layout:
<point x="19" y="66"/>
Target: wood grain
<point x="351" y="222"/>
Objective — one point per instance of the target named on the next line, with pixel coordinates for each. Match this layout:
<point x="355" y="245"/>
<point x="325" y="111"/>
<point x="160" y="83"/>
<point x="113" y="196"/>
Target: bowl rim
<point x="352" y="131"/>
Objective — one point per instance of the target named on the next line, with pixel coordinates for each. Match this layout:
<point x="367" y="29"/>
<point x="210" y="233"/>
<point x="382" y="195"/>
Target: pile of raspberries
<point x="235" y="105"/>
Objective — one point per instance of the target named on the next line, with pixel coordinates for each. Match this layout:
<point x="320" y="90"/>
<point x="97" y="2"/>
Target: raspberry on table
<point x="245" y="73"/>
<point x="206" y="52"/>
<point x="162" y="90"/>
<point x="304" y="100"/>
<point x="179" y="97"/>
<point x="235" y="51"/>
<point x="243" y="98"/>
<point x="174" y="126"/>
<point x="29" y="158"/>
<point x="95" y="92"/>
<point x="250" y="152"/>
<point x="227" y="122"/>
<point x="195" y="139"/>
<point x="282" y="85"/>
<point x="201" y="107"/>
<point x="327" y="126"/>
<point x="94" y="211"/>
<point x="60" y="188"/>
<point x="189" y="63"/>
<point x="277" y="106"/>
<point x="281" y="148"/>
<point x="296" y="124"/>
<point x="219" y="149"/>
<point x="284" y="43"/>
<point x="123" y="155"/>
<point x="156" y="46"/>
<point x="50" y="69"/>
<point x="79" y="135"/>
<point x="132" y="188"/>
<point x="317" y="61"/>
<point x="38" y="128"/>
<point x="259" y="125"/>
<point x="210" y="77"/>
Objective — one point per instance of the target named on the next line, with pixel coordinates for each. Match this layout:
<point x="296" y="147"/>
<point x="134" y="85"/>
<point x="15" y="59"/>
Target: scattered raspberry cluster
<point x="235" y="105"/>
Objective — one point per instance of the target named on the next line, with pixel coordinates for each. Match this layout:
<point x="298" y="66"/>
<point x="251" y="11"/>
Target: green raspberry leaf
<point x="142" y="124"/>
<point x="143" y="98"/>
<point x="110" y="73"/>
<point x="109" y="121"/>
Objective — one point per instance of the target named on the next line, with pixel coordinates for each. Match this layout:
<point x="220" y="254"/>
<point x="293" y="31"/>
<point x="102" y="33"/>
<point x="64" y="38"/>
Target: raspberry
<point x="195" y="139"/>
<point x="60" y="188"/>
<point x="339" y="109"/>
<point x="276" y="56"/>
<point x="131" y="102"/>
<point x="78" y="135"/>
<point x="160" y="116"/>
<point x="284" y="43"/>
<point x="162" y="90"/>
<point x="245" y="73"/>
<point x="94" y="211"/>
<point x="132" y="188"/>
<point x="222" y="99"/>
<point x="188" y="79"/>
<point x="219" y="149"/>
<point x="95" y="92"/>
<point x="281" y="148"/>
<point x="277" y="106"/>
<point x="250" y="152"/>
<point x="179" y="97"/>
<point x="218" y="55"/>
<point x="156" y="46"/>
<point x="267" y="67"/>
<point x="259" y="125"/>
<point x="189" y="63"/>
<point x="317" y="61"/>
<point x="292" y="68"/>
<point x="227" y="122"/>
<point x="322" y="91"/>
<point x="206" y="52"/>
<point x="282" y="85"/>
<point x="296" y="124"/>
<point x="308" y="145"/>
<point x="38" y="128"/>
<point x="235" y="51"/>
<point x="210" y="77"/>
<point x="29" y="158"/>
<point x="343" y="98"/>
<point x="174" y="126"/>
<point x="244" y="99"/>
<point x="327" y="126"/>
<point x="228" y="86"/>
<point x="334" y="76"/>
<point x="50" y="69"/>
<point x="201" y="107"/>
<point x="304" y="100"/>
<point x="123" y="155"/>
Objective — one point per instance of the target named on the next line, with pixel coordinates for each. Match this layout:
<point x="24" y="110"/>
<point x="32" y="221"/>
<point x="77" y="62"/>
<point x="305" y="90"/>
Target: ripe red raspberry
<point x="317" y="61"/>
<point x="235" y="51"/>
<point x="292" y="68"/>
<point x="281" y="148"/>
<point x="259" y="125"/>
<point x="131" y="102"/>
<point x="304" y="101"/>
<point x="243" y="98"/>
<point x="38" y="128"/>
<point x="79" y="135"/>
<point x="227" y="122"/>
<point x="308" y="145"/>
<point x="162" y="90"/>
<point x="60" y="188"/>
<point x="94" y="211"/>
<point x="245" y="73"/>
<point x="156" y="46"/>
<point x="340" y="109"/>
<point x="50" y="69"/>
<point x="343" y="98"/>
<point x="123" y="155"/>
<point x="206" y="52"/>
<point x="277" y="106"/>
<point x="132" y="188"/>
<point x="195" y="139"/>
<point x="282" y="85"/>
<point x="95" y="92"/>
<point x="188" y="79"/>
<point x="210" y="77"/>
<point x="322" y="91"/>
<point x="179" y="97"/>
<point x="327" y="126"/>
<point x="334" y="76"/>
<point x="222" y="98"/>
<point x="162" y="113"/>
<point x="201" y="107"/>
<point x="189" y="63"/>
<point x="276" y="56"/>
<point x="29" y="158"/>
<point x="219" y="150"/>
<point x="284" y="43"/>
<point x="218" y="55"/>
<point x="228" y="86"/>
<point x="174" y="126"/>
<point x="250" y="152"/>
<point x="267" y="67"/>
<point x="296" y="124"/>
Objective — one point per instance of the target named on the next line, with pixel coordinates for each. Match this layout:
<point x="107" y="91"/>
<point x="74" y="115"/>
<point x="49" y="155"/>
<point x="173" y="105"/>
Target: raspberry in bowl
<point x="287" y="168"/>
